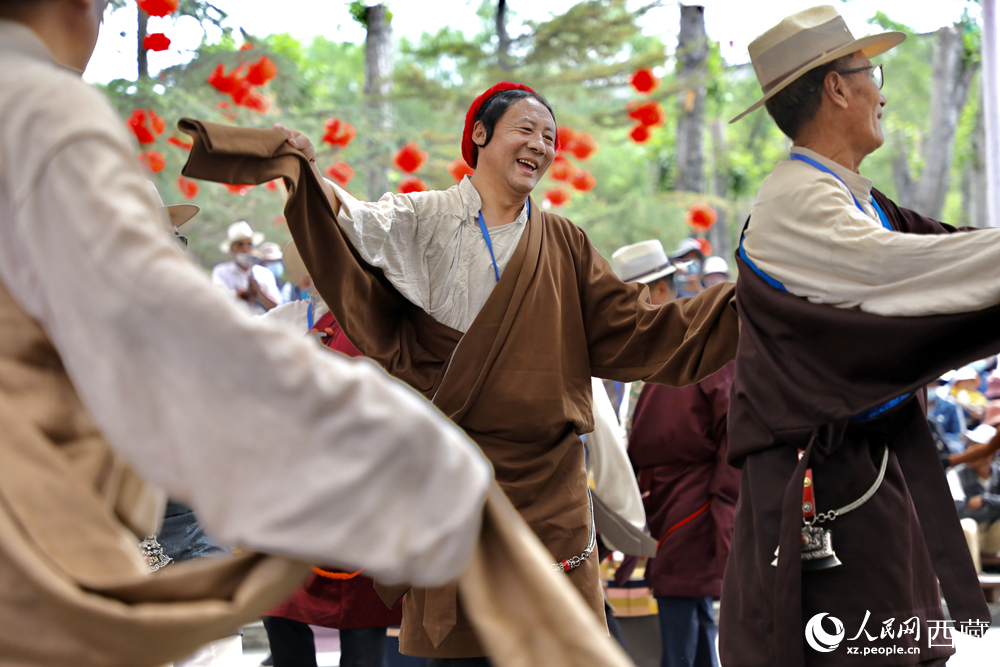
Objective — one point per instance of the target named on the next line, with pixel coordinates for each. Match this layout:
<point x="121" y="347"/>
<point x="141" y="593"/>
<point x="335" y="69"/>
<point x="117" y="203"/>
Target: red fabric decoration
<point x="240" y="190"/>
<point x="226" y="83"/>
<point x="272" y="186"/>
<point x="137" y="122"/>
<point x="644" y="80"/>
<point x="247" y="46"/>
<point x="558" y="196"/>
<point x="459" y="170"/>
<point x="470" y="151"/>
<point x="700" y="218"/>
<point x="650" y="114"/>
<point x="339" y="133"/>
<point x="187" y="187"/>
<point x="639" y="134"/>
<point x="411" y="184"/>
<point x="154" y="160"/>
<point x="341" y="172"/>
<point x="158" y="7"/>
<point x="562" y="169"/>
<point x="410" y="158"/>
<point x="583" y="181"/>
<point x="583" y="146"/>
<point x="156" y="42"/>
<point x="180" y="143"/>
<point x="262" y="71"/>
<point x="706" y="247"/>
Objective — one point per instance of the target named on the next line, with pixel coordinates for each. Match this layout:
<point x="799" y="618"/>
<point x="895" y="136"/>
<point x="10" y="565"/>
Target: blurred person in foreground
<point x="242" y="276"/>
<point x="849" y="306"/>
<point x="122" y="367"/>
<point x="497" y="310"/>
<point x="677" y="445"/>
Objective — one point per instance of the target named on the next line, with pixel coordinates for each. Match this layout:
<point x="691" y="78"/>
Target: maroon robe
<point x="803" y="371"/>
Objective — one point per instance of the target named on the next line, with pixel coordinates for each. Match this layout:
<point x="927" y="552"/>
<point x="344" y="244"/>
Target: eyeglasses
<point x="876" y="73"/>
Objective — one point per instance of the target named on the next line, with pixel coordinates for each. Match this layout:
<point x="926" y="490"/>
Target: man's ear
<point x="835" y="89"/>
<point x="479" y="134"/>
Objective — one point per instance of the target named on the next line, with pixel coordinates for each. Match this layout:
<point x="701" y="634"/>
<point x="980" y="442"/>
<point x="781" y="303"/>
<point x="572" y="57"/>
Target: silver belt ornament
<point x="817" y="542"/>
<point x="571" y="564"/>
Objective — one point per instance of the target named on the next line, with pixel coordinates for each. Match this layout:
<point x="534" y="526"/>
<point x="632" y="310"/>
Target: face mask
<point x="694" y="267"/>
<point x="242" y="259"/>
<point x="277" y="268"/>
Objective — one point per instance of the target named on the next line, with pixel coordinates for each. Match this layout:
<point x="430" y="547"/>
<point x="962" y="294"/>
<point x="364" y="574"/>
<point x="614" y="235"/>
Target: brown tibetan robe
<point x="802" y="372"/>
<point x="518" y="381"/>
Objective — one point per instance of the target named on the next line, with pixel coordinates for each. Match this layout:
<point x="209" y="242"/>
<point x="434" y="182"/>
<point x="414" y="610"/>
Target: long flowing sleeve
<point x="279" y="446"/>
<point x="807" y="233"/>
<point x="677" y="343"/>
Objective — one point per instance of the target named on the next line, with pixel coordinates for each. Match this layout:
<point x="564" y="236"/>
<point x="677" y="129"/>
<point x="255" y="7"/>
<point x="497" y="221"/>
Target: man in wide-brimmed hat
<point x="242" y="276"/>
<point x="841" y="294"/>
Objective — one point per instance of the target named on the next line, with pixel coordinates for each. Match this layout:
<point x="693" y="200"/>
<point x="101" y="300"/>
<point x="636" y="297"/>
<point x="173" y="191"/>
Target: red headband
<point x="470" y="151"/>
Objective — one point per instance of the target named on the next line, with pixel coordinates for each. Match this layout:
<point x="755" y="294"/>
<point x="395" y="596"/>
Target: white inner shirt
<point x="431" y="248"/>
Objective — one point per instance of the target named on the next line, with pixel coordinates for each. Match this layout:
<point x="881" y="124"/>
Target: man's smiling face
<point x="522" y="146"/>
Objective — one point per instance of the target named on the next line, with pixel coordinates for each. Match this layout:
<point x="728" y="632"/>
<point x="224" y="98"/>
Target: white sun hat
<point x="239" y="231"/>
<point x="642" y="262"/>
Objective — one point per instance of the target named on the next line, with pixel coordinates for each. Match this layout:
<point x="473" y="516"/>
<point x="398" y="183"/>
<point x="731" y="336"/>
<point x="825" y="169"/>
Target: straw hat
<point x="803" y="41"/>
<point x="269" y="251"/>
<point x="642" y="262"/>
<point x="295" y="268"/>
<point x="239" y="231"/>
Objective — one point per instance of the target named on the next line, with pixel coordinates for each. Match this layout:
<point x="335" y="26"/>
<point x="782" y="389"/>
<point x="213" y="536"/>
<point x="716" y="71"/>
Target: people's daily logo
<point x="818" y="638"/>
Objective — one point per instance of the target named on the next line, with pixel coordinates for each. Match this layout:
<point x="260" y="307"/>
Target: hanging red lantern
<point x="187" y="187"/>
<point x="341" y="172"/>
<point x="139" y="125"/>
<point x="180" y="143"/>
<point x="240" y="190"/>
<point x="706" y="247"/>
<point x="583" y="181"/>
<point x="156" y="42"/>
<point x="701" y="217"/>
<point x="639" y="134"/>
<point x="644" y="80"/>
<point x="558" y="196"/>
<point x="262" y="71"/>
<point x="650" y="114"/>
<point x="158" y="7"/>
<point x="154" y="160"/>
<point x="411" y="184"/>
<point x="582" y="146"/>
<point x="410" y="158"/>
<point x="459" y="169"/>
<point x="562" y="169"/>
<point x="339" y="133"/>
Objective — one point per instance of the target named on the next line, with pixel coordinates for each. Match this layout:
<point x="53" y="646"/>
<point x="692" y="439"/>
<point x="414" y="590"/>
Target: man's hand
<point x="975" y="503"/>
<point x="298" y="140"/>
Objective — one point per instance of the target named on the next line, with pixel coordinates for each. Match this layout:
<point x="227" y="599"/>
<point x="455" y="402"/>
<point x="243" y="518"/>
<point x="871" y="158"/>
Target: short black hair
<point x="798" y="103"/>
<point x="494" y="108"/>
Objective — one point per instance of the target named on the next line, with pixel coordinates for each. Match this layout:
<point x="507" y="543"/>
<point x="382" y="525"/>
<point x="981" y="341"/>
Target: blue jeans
<point x="687" y="632"/>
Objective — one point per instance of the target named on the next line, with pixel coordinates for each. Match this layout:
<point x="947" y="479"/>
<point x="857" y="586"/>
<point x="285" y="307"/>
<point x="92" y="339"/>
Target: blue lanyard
<point x="489" y="242"/>
<point x="878" y="209"/>
<point x="309" y="315"/>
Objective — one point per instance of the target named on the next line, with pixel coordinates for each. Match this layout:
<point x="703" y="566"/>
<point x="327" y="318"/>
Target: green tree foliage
<point x="580" y="60"/>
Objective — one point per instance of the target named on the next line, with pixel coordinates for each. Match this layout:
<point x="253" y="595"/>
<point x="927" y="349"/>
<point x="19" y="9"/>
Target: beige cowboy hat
<point x="177" y="214"/>
<point x="642" y="262"/>
<point x="237" y="232"/>
<point x="803" y="41"/>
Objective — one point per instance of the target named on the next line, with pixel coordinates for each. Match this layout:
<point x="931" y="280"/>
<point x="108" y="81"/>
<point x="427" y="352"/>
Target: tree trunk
<point x="692" y="59"/>
<point x="141" y="54"/>
<point x="503" y="45"/>
<point x="719" y="235"/>
<point x="952" y="76"/>
<point x="378" y="88"/>
<point x="974" y="178"/>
